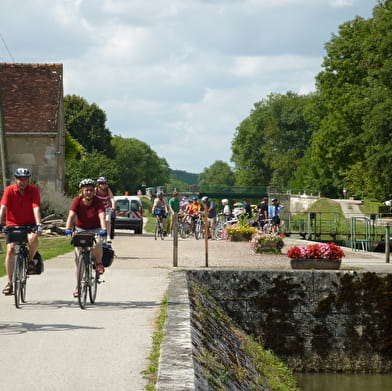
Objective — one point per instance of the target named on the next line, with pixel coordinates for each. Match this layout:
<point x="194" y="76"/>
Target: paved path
<point x="350" y="208"/>
<point x="51" y="344"/>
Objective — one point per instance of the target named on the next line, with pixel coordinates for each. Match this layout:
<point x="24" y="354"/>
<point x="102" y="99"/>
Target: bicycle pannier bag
<point x="107" y="255"/>
<point x="38" y="264"/>
<point x="83" y="239"/>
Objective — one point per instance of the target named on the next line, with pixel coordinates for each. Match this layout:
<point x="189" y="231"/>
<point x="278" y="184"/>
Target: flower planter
<point x="317" y="264"/>
<point x="239" y="237"/>
<point x="267" y="248"/>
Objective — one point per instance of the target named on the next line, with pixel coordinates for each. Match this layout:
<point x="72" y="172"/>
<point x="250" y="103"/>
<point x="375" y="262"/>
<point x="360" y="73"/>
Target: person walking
<point x="174" y="208"/>
<point x="211" y="215"/>
<point x="20" y="206"/>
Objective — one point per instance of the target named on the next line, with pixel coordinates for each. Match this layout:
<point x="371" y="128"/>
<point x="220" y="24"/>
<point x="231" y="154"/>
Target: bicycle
<point x="18" y="235"/>
<point x="221" y="225"/>
<point x="184" y="227"/>
<point x="158" y="227"/>
<point x="199" y="227"/>
<point x="87" y="274"/>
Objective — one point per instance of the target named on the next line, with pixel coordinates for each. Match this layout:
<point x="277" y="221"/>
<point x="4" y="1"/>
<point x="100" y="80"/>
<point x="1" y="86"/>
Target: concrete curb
<point x="176" y="372"/>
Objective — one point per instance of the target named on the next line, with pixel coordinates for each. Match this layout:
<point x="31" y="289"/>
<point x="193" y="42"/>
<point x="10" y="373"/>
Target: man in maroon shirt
<point x="87" y="213"/>
<point x="20" y="205"/>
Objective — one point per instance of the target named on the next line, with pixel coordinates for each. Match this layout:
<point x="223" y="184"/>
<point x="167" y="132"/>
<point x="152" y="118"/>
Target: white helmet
<point x="225" y="201"/>
<point x="205" y="199"/>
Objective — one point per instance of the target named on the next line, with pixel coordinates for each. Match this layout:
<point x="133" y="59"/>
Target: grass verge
<point x="151" y="373"/>
<point x="49" y="247"/>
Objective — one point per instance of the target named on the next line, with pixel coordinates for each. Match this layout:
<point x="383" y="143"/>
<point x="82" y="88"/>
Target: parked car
<point x="129" y="213"/>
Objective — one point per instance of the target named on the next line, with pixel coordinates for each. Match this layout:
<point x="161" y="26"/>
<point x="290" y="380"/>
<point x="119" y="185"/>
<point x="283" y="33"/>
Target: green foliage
<point x="218" y="174"/>
<point x="54" y="203"/>
<point x="86" y="123"/>
<point x="91" y="165"/>
<point x="269" y="143"/>
<point x="186" y="177"/>
<point x="137" y="162"/>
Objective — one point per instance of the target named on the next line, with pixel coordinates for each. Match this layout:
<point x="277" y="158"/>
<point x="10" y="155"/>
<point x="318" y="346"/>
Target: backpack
<point x="38" y="264"/>
<point x="107" y="255"/>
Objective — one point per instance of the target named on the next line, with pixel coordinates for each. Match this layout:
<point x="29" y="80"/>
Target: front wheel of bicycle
<point x="198" y="230"/>
<point x="83" y="280"/>
<point x="23" y="280"/>
<point x="184" y="229"/>
<point x="94" y="276"/>
<point x="17" y="275"/>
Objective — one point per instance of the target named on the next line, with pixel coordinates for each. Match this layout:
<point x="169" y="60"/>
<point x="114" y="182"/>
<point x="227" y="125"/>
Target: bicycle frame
<point x="87" y="275"/>
<point x="18" y="236"/>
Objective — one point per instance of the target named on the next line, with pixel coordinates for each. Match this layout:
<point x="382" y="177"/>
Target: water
<point x="343" y="382"/>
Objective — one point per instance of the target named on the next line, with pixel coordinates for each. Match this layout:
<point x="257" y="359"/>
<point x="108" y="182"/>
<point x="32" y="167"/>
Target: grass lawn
<point x="49" y="247"/>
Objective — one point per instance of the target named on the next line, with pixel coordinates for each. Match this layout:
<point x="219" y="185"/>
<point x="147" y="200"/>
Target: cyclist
<point x="211" y="214"/>
<point x="192" y="210"/>
<point x="103" y="192"/>
<point x="262" y="212"/>
<point x="226" y="209"/>
<point x="159" y="208"/>
<point x="274" y="211"/>
<point x="87" y="213"/>
<point x="20" y="206"/>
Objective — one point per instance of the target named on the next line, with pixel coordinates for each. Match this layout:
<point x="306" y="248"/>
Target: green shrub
<point x="54" y="203"/>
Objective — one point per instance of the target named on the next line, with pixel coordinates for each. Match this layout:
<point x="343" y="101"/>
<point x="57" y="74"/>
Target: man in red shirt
<point x="87" y="213"/>
<point x="20" y="205"/>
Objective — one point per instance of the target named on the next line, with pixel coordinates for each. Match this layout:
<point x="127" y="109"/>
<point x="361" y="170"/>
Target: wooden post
<point x="175" y="239"/>
<point x="387" y="238"/>
<point x="206" y="232"/>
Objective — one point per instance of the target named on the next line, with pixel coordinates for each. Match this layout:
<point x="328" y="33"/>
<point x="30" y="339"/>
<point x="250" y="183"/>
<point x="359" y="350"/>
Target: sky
<point x="179" y="75"/>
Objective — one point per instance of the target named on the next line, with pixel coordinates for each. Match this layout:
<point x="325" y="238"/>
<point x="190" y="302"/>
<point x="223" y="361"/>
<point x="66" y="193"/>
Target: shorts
<point x="8" y="234"/>
<point x="275" y="220"/>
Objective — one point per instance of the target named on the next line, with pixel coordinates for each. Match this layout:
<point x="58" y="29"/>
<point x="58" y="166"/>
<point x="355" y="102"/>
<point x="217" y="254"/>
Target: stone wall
<point x="314" y="321"/>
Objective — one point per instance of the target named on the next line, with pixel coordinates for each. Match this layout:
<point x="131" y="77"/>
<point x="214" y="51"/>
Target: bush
<point x="54" y="203"/>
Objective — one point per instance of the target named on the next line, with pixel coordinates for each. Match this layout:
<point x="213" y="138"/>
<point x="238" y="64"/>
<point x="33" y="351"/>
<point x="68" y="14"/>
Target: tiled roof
<point x="30" y="97"/>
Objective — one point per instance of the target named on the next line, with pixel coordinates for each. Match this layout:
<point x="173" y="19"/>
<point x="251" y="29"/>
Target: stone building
<point x="32" y="131"/>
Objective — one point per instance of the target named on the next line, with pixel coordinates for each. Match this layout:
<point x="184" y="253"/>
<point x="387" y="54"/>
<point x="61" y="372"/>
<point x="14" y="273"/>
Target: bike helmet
<point x="86" y="182"/>
<point x="225" y="201"/>
<point x="194" y="198"/>
<point x="160" y="194"/>
<point x="21" y="172"/>
<point x="205" y="199"/>
<point x="101" y="179"/>
<point x="274" y="200"/>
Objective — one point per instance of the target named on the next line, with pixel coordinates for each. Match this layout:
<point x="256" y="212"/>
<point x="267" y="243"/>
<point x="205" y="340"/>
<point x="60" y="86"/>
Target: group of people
<point x="191" y="209"/>
<point x="21" y="206"/>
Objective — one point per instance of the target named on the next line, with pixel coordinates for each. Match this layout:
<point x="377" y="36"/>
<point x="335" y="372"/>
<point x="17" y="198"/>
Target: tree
<point x="138" y="163"/>
<point x="352" y="138"/>
<point x="218" y="174"/>
<point x="91" y="165"/>
<point x="269" y="143"/>
<point x="86" y="123"/>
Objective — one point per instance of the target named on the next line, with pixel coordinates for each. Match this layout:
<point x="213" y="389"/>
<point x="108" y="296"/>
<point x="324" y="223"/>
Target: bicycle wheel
<point x="18" y="264"/>
<point x="83" y="280"/>
<point x="198" y="230"/>
<point x="184" y="230"/>
<point x="23" y="279"/>
<point x="156" y="229"/>
<point x="220" y="225"/>
<point x="161" y="230"/>
<point x="94" y="276"/>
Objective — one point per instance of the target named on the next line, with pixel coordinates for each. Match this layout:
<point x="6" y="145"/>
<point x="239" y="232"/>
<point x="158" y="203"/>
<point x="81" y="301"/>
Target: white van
<point x="129" y="213"/>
